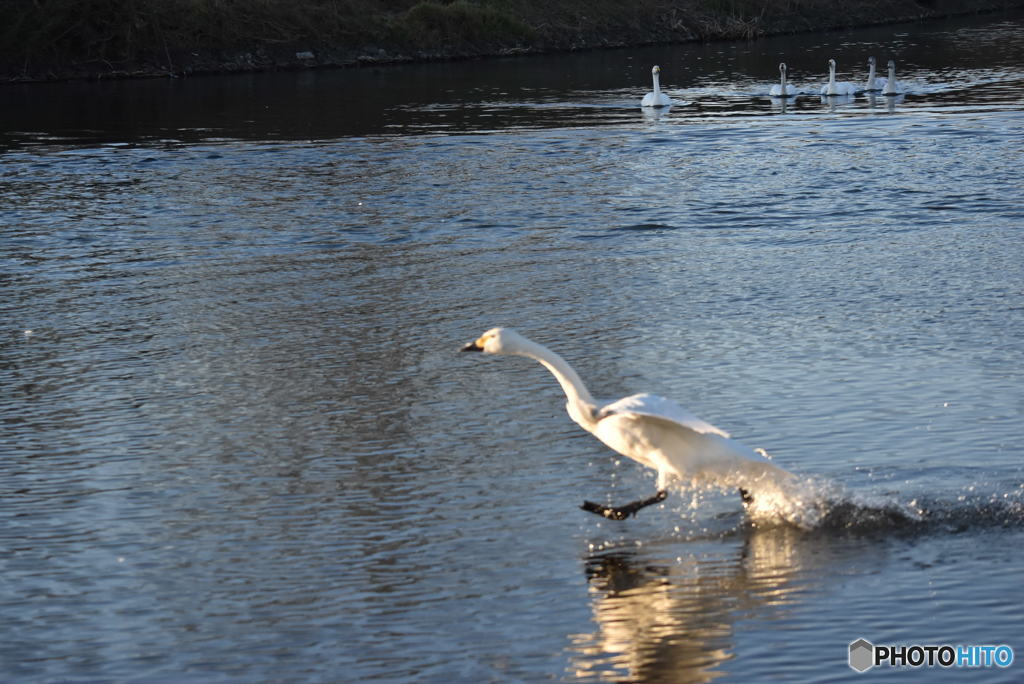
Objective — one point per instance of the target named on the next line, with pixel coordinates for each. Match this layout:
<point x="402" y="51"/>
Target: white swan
<point x="656" y="98"/>
<point x="875" y="83"/>
<point x="651" y="430"/>
<point x="782" y="89"/>
<point x="892" y="86"/>
<point x="840" y="88"/>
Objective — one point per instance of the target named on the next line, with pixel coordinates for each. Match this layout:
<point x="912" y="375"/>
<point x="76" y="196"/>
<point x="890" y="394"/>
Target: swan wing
<point x="660" y="434"/>
<point x="653" y="407"/>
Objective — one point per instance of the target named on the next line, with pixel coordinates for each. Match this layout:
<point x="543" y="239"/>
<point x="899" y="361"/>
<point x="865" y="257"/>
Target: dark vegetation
<point x="45" y="39"/>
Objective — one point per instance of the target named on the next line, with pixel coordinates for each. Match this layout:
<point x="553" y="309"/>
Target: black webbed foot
<point x="623" y="512"/>
<point x="746" y="496"/>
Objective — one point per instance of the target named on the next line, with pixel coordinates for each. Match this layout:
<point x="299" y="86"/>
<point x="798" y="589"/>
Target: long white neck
<point x="871" y="76"/>
<point x="832" y="79"/>
<point x="657" y="84"/>
<point x="782" y="78"/>
<point x="580" y="404"/>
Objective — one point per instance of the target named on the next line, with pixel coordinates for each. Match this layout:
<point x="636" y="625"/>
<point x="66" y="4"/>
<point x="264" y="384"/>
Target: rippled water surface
<point x="239" y="444"/>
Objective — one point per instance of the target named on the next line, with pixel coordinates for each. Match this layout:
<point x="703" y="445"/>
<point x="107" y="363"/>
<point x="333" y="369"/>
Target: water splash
<point x="817" y="504"/>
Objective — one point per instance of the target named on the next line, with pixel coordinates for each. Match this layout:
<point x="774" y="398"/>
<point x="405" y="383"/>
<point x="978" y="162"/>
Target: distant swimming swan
<point x="892" y="86"/>
<point x="782" y="89"/>
<point x="653" y="431"/>
<point x="656" y="98"/>
<point x="840" y="88"/>
<point x="875" y="83"/>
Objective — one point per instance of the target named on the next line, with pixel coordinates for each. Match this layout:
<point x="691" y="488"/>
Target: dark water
<point x="239" y="443"/>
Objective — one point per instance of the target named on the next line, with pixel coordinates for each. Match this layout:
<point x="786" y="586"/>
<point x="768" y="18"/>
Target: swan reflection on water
<point x="673" y="619"/>
<point x="780" y="104"/>
<point x="888" y="101"/>
<point x="836" y="101"/>
<point x="669" y="610"/>
<point x="654" y="114"/>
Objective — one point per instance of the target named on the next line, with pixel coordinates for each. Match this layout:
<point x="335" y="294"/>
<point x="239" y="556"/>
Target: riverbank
<point x="101" y="39"/>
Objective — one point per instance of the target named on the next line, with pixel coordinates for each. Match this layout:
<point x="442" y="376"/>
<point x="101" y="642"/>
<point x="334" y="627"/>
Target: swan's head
<point x="831" y="65"/>
<point x="892" y="64"/>
<point x="497" y="341"/>
<point x="782" y="67"/>
<point x="871" y="61"/>
<point x="655" y="70"/>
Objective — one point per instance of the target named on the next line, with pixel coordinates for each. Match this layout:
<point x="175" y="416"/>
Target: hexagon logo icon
<point x="862" y="655"/>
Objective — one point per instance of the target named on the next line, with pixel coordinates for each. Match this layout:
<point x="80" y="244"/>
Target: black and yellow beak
<point x="472" y="346"/>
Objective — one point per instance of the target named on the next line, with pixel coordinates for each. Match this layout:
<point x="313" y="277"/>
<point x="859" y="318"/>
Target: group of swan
<point x="875" y="84"/>
<point x="887" y="86"/>
<point x="651" y="430"/>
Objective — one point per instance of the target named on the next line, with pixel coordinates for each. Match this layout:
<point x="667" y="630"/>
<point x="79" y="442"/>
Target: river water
<point x="239" y="444"/>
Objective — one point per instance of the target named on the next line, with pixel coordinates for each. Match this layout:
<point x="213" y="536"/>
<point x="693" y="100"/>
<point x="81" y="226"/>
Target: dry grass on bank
<point x="93" y="36"/>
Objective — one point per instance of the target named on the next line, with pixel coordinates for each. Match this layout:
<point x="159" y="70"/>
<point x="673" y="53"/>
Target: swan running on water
<point x="782" y="89"/>
<point x="840" y="88"/>
<point x="656" y="98"/>
<point x="892" y="86"/>
<point x="651" y="430"/>
<point x="875" y="83"/>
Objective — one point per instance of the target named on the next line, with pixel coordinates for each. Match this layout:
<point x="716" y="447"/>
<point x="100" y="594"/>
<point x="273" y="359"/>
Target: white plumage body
<point x="782" y="88"/>
<point x="874" y="82"/>
<point x="656" y="98"/>
<point x="647" y="428"/>
<point x="892" y="86"/>
<point x="834" y="87"/>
